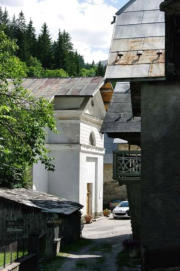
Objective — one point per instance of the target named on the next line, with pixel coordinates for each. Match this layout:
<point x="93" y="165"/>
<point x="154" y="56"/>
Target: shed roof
<point x="50" y="87"/>
<point x="35" y="199"/>
<point x="138" y="43"/>
<point x="119" y="118"/>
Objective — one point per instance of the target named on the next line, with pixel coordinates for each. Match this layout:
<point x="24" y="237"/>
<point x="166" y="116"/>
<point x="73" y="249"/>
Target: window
<point x="92" y="139"/>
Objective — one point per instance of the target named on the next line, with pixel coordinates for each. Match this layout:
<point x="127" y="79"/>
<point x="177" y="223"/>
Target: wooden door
<point x="89" y="199"/>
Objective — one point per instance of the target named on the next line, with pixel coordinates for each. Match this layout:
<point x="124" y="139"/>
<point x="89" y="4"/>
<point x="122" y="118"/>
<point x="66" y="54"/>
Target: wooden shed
<point x="26" y="213"/>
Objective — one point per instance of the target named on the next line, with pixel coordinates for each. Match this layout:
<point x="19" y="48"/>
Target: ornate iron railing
<point x="126" y="166"/>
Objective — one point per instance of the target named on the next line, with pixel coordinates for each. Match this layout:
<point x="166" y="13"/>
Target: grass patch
<point x="77" y="245"/>
<point x="59" y="260"/>
<point x="54" y="265"/>
<point x="11" y="258"/>
<point x="123" y="259"/>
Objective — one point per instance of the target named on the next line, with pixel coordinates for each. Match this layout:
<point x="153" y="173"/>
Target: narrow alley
<point x="101" y="243"/>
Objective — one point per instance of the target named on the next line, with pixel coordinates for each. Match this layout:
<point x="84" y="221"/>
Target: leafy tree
<point x="34" y="68"/>
<point x="88" y="72"/>
<point x="55" y="73"/>
<point x="23" y="123"/>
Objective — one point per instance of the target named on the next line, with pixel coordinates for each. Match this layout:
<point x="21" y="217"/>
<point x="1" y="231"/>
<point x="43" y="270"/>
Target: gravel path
<point x="106" y="235"/>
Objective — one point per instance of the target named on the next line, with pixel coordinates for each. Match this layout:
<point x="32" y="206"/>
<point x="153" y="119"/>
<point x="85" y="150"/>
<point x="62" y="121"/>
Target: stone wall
<point x="112" y="189"/>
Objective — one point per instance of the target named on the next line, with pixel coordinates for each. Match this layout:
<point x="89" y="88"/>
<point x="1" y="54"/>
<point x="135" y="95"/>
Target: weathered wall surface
<point x="64" y="181"/>
<point x="40" y="177"/>
<point x="112" y="189"/>
<point x="160" y="221"/>
<point x="134" y="197"/>
<point x="68" y="132"/>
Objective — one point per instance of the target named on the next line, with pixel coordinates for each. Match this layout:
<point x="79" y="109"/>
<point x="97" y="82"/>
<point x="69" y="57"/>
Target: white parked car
<point x="121" y="210"/>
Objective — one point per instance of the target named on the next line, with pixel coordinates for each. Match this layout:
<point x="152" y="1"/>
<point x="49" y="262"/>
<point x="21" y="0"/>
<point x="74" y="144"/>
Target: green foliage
<point x="24" y="121"/>
<point x="45" y="47"/>
<point x="34" y="68"/>
<point x="51" y="55"/>
<point x="100" y="71"/>
<point x="88" y="72"/>
<point x="10" y="65"/>
<point x="55" y="73"/>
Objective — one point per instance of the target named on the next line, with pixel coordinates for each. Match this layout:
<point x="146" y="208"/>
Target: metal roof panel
<point x="135" y="71"/>
<point x="139" y="31"/>
<point x="122" y="88"/>
<point x="148" y="43"/>
<point x="132" y="57"/>
<point x="142" y="5"/>
<point x="50" y="87"/>
<point x="138" y="44"/>
<point x="140" y="17"/>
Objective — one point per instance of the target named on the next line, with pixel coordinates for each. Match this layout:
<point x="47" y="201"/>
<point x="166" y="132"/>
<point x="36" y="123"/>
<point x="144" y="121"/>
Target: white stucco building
<point x="78" y="148"/>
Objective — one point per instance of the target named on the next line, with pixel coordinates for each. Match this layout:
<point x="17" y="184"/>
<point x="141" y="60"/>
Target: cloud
<point x="12" y="3"/>
<point x="87" y="21"/>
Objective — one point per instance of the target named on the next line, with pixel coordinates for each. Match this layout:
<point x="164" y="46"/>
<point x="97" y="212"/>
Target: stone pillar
<point x="160" y="223"/>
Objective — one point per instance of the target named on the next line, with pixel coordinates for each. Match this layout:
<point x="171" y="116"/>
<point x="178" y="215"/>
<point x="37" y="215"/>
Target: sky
<point x="87" y="21"/>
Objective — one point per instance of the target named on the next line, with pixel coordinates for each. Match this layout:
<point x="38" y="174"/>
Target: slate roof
<point x="119" y="118"/>
<point x="138" y="43"/>
<point x="50" y="87"/>
<point x="45" y="202"/>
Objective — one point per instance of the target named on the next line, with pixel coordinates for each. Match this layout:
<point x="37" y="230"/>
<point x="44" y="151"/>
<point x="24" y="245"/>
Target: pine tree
<point x="58" y="52"/>
<point x="45" y="47"/>
<point x="100" y="70"/>
<point x="4" y="21"/>
<point x="20" y="35"/>
<point x="31" y="40"/>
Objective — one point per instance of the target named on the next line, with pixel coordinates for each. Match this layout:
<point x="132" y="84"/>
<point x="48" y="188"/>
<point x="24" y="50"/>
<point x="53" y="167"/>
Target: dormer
<point x="137" y="49"/>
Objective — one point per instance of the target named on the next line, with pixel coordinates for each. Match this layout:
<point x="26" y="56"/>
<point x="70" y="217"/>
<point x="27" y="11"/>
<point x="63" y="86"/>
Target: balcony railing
<point x="127" y="166"/>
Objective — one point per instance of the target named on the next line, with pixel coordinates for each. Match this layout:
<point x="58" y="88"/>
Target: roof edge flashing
<point x="124" y="7"/>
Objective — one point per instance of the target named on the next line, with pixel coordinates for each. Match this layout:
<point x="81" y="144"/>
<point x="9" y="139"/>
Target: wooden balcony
<point x="127" y="166"/>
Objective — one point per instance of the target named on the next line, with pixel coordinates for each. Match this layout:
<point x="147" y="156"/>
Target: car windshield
<point x="124" y="204"/>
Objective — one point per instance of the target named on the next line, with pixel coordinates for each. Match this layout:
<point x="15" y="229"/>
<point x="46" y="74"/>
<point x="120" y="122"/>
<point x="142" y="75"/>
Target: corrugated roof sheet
<point x="45" y="202"/>
<point x="138" y="42"/>
<point x="119" y="118"/>
<point x="50" y="87"/>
